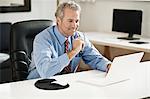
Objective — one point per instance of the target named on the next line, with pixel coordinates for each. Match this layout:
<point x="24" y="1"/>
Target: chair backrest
<point x="22" y="36"/>
<point x="5" y="28"/>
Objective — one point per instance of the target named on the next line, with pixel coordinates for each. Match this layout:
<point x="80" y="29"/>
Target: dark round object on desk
<point x="47" y="84"/>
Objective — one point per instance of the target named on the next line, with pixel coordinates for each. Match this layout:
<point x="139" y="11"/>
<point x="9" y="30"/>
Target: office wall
<point x="94" y="17"/>
<point x="98" y="16"/>
<point x="40" y="9"/>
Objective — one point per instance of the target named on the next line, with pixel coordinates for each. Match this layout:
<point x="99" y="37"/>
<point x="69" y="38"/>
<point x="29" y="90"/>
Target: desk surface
<point x="3" y="57"/>
<point x="110" y="39"/>
<point x="131" y="89"/>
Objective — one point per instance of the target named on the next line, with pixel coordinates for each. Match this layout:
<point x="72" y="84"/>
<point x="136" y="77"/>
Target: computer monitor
<point x="127" y="21"/>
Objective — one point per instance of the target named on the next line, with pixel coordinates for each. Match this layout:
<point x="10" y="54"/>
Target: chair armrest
<point x="20" y="56"/>
<point x="20" y="70"/>
<point x="5" y="64"/>
<point x="20" y="65"/>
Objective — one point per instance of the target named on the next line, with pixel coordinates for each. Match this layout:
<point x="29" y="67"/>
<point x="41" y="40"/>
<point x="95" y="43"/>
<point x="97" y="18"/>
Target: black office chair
<point x="5" y="66"/>
<point x="5" y="28"/>
<point x="22" y="37"/>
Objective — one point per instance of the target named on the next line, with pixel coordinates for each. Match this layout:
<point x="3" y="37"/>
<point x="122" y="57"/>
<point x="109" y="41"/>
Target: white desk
<point x="3" y="57"/>
<point x="110" y="40"/>
<point x="131" y="89"/>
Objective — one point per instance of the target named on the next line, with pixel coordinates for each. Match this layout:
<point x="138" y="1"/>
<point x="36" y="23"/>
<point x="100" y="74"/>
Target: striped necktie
<point x="67" y="68"/>
<point x="66" y="45"/>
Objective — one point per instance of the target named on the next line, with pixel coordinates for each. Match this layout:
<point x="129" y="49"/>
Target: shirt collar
<point x="60" y="37"/>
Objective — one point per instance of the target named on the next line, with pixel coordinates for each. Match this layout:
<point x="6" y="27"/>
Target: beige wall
<point x="40" y="9"/>
<point x="98" y="16"/>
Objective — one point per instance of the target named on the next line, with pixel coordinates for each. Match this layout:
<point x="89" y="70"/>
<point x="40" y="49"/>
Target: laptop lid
<point x="123" y="67"/>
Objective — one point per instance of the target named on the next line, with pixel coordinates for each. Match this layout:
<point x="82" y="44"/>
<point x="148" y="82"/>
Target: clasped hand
<point x="78" y="44"/>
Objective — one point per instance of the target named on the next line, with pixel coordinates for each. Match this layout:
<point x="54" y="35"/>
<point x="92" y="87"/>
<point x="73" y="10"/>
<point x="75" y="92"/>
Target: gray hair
<point x="71" y="4"/>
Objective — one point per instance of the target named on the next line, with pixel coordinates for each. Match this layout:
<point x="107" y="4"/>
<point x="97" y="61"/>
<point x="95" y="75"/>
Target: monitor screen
<point x="127" y="21"/>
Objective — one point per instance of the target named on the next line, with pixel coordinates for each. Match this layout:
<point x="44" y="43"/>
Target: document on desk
<point x="122" y="69"/>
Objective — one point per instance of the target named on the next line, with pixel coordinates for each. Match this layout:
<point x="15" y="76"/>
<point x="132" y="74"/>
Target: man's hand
<point x="77" y="47"/>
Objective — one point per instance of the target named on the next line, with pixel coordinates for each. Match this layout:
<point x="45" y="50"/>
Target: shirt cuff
<point x="64" y="60"/>
<point x="104" y="67"/>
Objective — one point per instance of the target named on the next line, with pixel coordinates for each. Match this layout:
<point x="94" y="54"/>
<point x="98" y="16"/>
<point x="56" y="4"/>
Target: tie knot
<point x="66" y="42"/>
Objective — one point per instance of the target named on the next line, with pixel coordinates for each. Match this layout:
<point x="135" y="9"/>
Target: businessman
<point x="59" y="48"/>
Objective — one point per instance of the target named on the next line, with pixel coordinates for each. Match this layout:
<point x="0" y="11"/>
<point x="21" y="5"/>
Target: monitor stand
<point x="130" y="37"/>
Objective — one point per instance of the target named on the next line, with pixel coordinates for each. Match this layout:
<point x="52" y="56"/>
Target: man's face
<point x="69" y="23"/>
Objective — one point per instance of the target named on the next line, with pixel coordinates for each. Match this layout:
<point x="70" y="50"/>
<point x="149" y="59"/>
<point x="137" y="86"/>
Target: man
<point x="52" y="55"/>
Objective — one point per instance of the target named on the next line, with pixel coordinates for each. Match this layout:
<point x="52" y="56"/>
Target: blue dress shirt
<point x="48" y="57"/>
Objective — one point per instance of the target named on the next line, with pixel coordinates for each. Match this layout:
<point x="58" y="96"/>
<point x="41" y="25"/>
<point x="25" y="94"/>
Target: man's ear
<point x="58" y="20"/>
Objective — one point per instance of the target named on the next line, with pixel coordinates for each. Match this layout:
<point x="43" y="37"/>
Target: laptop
<point x="123" y="66"/>
<point x="122" y="69"/>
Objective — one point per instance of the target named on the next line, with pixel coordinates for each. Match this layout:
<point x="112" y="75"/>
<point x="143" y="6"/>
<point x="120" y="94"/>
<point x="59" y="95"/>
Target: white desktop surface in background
<point x="3" y="57"/>
<point x="110" y="39"/>
<point x="130" y="89"/>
